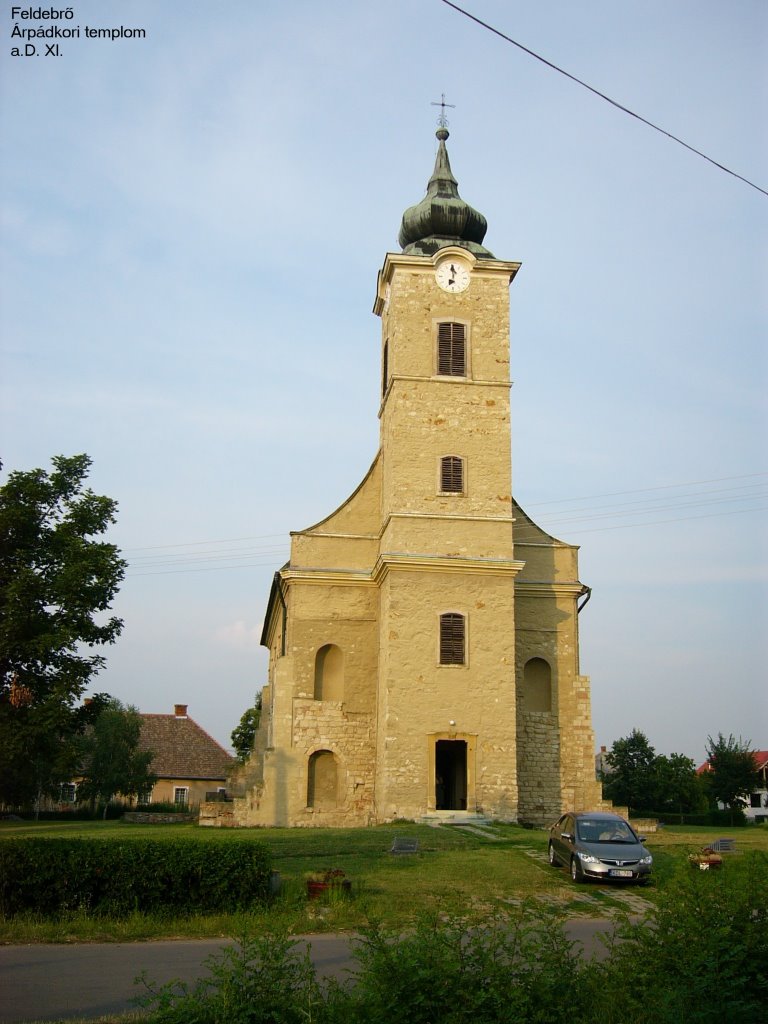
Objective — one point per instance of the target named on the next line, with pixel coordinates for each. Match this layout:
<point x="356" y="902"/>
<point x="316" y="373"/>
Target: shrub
<point x="161" y="807"/>
<point x="106" y="876"/>
<point x="74" y="812"/>
<point x="700" y="956"/>
<point x="714" y="817"/>
<point x="505" y="971"/>
<point x="262" y="980"/>
<point x="699" y="959"/>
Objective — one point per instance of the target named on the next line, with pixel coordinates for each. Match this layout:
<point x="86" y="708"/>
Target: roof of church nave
<point x="442" y="217"/>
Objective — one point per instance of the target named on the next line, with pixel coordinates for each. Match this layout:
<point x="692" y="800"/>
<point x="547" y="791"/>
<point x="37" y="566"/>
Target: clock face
<point x="452" y="276"/>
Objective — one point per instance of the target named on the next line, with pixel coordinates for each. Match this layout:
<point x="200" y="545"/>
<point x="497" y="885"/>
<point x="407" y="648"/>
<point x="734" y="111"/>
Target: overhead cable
<point x="602" y="95"/>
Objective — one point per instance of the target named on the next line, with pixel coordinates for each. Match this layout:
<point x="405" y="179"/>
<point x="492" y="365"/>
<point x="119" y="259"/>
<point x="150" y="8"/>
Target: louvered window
<point x="452" y="474"/>
<point x="451" y="350"/>
<point x="452" y="632"/>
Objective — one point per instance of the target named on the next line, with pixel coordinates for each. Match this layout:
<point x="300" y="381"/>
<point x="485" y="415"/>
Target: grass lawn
<point x="455" y="870"/>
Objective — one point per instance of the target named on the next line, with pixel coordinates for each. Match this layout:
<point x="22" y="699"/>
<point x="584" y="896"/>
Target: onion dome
<point x="442" y="217"/>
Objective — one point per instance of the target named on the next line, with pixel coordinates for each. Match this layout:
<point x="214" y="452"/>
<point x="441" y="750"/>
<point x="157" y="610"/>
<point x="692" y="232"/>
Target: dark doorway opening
<point x="451" y="775"/>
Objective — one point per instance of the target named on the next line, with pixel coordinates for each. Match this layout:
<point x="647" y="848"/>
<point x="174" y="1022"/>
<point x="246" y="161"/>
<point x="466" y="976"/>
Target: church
<point x="424" y="637"/>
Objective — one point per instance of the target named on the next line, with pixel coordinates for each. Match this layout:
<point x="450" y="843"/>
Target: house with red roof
<point x="189" y="764"/>
<point x="756" y="807"/>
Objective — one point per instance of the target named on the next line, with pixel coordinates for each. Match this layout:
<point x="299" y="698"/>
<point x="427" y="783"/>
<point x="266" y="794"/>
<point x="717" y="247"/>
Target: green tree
<point x="631" y="778"/>
<point x="732" y="771"/>
<point x="111" y="762"/>
<point x="56" y="584"/>
<point x="678" y="787"/>
<point x="244" y="733"/>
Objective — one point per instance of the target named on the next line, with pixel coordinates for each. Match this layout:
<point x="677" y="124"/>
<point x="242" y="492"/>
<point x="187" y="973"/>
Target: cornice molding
<point x="452" y="381"/>
<point x="325" y="577"/>
<point x="542" y="588"/>
<point x="392" y="560"/>
<point x="427" y="264"/>
<point x="447" y="517"/>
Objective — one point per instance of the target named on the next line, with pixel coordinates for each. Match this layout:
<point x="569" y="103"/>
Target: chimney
<point x="180" y="710"/>
<point x="602" y="750"/>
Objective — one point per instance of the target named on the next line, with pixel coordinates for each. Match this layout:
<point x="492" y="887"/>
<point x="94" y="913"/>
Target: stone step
<point x="454" y="818"/>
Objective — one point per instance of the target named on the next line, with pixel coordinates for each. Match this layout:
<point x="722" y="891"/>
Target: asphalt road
<point x="42" y="982"/>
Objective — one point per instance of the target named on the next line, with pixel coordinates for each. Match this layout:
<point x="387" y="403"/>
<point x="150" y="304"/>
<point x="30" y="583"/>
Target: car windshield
<point x="605" y="832"/>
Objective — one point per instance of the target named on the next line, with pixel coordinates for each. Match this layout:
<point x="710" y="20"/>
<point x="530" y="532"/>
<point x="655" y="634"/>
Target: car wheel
<point x="576" y="874"/>
<point x="553" y="856"/>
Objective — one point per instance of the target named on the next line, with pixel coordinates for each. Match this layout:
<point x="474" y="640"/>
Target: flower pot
<point x="316" y="889"/>
<point x="706" y="861"/>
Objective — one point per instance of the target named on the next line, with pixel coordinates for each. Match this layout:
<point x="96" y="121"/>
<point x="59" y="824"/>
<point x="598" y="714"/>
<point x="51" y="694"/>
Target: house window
<point x="68" y="793"/>
<point x="452" y="350"/>
<point x="452" y="638"/>
<point x="452" y="474"/>
<point x="755" y="799"/>
<point x="181" y="796"/>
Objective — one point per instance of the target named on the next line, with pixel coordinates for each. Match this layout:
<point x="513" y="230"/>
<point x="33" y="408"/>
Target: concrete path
<point x="46" y="982"/>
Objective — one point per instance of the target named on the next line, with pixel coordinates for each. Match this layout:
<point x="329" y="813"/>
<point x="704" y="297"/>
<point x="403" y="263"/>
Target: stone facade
<point x="370" y="714"/>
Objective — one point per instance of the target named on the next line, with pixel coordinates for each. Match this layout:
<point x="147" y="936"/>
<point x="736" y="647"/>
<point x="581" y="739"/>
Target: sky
<point x="192" y="224"/>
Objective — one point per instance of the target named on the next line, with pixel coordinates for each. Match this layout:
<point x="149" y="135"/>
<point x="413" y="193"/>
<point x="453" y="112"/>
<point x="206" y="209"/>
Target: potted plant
<point x="330" y="880"/>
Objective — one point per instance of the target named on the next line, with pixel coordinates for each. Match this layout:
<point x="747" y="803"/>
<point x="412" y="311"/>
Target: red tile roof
<point x="761" y="762"/>
<point x="182" y="750"/>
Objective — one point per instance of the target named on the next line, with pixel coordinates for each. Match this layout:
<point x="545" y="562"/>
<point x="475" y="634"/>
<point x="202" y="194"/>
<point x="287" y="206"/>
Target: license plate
<point x="620" y="874"/>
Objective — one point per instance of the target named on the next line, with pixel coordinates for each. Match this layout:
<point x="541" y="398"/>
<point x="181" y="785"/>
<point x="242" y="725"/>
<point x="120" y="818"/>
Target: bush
<point x="74" y="812"/>
<point x="714" y="817"/>
<point x="106" y="876"/>
<point x="262" y="980"/>
<point x="699" y="959"/>
<point x="510" y="969"/>
<point x="162" y="807"/>
<point x="700" y="956"/>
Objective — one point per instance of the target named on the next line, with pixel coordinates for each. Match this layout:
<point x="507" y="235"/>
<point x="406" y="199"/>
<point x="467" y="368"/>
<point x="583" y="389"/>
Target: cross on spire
<point x="442" y="120"/>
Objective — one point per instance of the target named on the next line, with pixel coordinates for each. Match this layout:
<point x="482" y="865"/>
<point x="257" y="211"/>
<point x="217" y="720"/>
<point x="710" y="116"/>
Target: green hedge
<point x="106" y="876"/>
<point x="73" y="812"/>
<point x="716" y="818"/>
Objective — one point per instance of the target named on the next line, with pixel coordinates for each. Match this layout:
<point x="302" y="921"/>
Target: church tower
<point x="424" y="637"/>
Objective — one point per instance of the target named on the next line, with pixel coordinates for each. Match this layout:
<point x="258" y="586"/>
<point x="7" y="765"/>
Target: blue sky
<point x="192" y="224"/>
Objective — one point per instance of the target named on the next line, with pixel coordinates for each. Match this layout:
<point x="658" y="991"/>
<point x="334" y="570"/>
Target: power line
<point x="602" y="95"/>
<point x="200" y="543"/>
<point x="648" y="490"/>
<point x="594" y="518"/>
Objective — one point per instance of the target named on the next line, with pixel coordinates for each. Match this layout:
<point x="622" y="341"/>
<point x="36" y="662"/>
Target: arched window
<point x="329" y="673"/>
<point x="537" y="685"/>
<point x="452" y="474"/>
<point x="452" y="350"/>
<point x="452" y="638"/>
<point x="322" y="784"/>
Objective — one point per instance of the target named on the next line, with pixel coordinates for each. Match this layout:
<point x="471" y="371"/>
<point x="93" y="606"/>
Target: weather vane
<point x="442" y="120"/>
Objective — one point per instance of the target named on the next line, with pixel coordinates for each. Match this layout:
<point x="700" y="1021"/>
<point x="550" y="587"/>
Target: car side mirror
<point x="641" y="839"/>
<point x="566" y="835"/>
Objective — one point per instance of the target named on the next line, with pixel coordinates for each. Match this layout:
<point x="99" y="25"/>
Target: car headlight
<point x="589" y="858"/>
<point x="646" y="860"/>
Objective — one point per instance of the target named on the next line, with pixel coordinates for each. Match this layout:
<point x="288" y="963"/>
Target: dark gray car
<point x="599" y="845"/>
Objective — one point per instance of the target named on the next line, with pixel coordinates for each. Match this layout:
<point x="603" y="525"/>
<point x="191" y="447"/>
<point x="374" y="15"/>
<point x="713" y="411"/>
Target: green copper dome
<point x="442" y="217"/>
